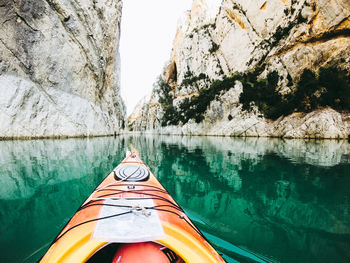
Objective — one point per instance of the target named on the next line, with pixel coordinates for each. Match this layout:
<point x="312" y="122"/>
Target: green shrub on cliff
<point x="330" y="87"/>
<point x="262" y="93"/>
<point x="166" y="101"/>
<point x="305" y="97"/>
<point x="214" y="47"/>
<point x="164" y="92"/>
<point x="337" y="85"/>
<point x="189" y="79"/>
<point x="197" y="105"/>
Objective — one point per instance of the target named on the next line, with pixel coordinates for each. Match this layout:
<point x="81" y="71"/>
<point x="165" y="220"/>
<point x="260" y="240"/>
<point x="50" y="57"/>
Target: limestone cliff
<point x="253" y="38"/>
<point x="59" y="68"/>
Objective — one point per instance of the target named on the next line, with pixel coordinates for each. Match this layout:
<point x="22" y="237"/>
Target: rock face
<point x="59" y="68"/>
<point x="286" y="36"/>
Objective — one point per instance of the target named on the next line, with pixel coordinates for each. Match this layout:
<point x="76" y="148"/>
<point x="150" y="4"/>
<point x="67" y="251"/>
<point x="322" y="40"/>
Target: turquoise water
<point x="288" y="201"/>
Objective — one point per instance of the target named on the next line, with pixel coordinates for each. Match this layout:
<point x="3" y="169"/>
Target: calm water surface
<point x="285" y="200"/>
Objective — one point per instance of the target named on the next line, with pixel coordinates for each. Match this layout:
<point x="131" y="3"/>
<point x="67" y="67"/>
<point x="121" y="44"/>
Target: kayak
<point x="130" y="217"/>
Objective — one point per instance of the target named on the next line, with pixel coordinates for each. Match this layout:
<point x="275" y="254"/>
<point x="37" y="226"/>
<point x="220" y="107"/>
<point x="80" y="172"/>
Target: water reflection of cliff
<point x="286" y="199"/>
<point x="27" y="164"/>
<point x="278" y="198"/>
<point x="42" y="183"/>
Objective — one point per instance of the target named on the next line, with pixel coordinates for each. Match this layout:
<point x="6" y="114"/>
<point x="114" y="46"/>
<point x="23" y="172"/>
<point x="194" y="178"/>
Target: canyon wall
<point x="250" y="37"/>
<point x="59" y="68"/>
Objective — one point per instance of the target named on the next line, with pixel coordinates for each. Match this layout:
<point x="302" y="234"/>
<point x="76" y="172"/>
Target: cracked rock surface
<point x="59" y="68"/>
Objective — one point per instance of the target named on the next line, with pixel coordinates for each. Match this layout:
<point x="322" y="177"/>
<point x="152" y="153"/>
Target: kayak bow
<point x="129" y="215"/>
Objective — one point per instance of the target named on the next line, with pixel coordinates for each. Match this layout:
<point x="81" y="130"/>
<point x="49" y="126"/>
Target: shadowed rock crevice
<point x="172" y="73"/>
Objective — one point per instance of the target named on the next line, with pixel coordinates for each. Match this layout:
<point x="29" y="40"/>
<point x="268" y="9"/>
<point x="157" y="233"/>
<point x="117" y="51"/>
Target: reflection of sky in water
<point x="284" y="199"/>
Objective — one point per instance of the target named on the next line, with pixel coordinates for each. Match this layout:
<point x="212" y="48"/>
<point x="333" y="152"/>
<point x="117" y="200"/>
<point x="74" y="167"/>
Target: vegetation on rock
<point x="214" y="47"/>
<point x="194" y="107"/>
<point x="166" y="98"/>
<point x="190" y="80"/>
<point x="330" y="86"/>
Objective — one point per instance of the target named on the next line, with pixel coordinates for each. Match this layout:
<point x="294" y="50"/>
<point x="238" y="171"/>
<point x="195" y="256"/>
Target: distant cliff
<point x="59" y="68"/>
<point x="257" y="68"/>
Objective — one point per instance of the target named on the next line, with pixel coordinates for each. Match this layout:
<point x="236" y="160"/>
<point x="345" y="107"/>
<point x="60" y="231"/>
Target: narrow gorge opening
<point x="148" y="29"/>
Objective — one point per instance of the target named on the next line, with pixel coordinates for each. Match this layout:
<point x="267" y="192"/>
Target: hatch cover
<point x="131" y="173"/>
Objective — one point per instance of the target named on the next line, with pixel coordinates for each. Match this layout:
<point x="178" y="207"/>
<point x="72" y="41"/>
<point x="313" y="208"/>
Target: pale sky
<point x="147" y="32"/>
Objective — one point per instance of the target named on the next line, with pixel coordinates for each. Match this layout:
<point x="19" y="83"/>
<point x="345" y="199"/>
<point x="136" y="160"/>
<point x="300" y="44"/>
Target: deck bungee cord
<point x="128" y="212"/>
<point x="133" y="191"/>
<point x="132" y="208"/>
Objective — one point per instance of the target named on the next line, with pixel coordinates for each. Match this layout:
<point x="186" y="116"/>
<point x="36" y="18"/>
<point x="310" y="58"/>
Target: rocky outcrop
<point x="283" y="36"/>
<point x="59" y="68"/>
